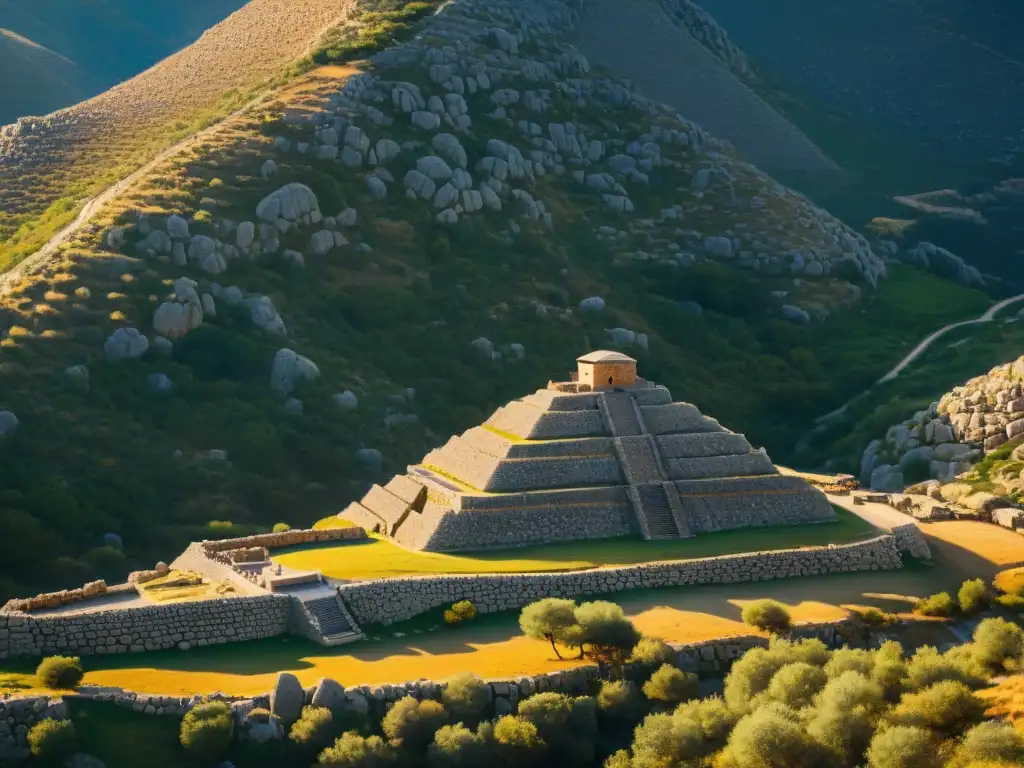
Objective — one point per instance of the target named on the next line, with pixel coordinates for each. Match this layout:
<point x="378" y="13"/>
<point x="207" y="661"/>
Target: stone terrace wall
<point x="18" y="715"/>
<point x="745" y="502"/>
<point x="286" y="539"/>
<point x="147" y="628"/>
<point x="385" y="602"/>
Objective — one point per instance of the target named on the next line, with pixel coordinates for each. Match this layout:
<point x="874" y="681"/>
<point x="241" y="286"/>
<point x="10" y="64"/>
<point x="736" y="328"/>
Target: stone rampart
<point x="728" y="503"/>
<point x="146" y="628"/>
<point x="547" y="400"/>
<point x="555" y="497"/>
<point x="55" y="599"/>
<point x="910" y="540"/>
<point x="736" y="465"/>
<point x="285" y="539"/>
<point x="488" y="442"/>
<point x="700" y="444"/>
<point x="528" y="421"/>
<point x="385" y="602"/>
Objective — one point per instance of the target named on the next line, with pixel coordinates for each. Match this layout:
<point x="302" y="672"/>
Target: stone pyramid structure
<point x="606" y="454"/>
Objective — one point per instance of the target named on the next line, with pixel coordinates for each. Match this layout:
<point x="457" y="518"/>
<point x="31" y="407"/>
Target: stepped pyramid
<point x="606" y="454"/>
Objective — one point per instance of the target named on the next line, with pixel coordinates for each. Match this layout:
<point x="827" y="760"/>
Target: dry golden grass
<point x="978" y="547"/>
<point x="179" y="587"/>
<point x="1011" y="581"/>
<point x="1006" y="699"/>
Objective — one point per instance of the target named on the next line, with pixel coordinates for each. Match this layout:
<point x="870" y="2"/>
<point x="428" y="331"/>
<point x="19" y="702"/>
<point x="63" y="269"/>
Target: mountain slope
<point x="473" y="211"/>
<point x="33" y="78"/>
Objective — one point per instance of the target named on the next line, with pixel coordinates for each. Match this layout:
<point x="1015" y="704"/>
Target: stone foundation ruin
<point x="606" y="454"/>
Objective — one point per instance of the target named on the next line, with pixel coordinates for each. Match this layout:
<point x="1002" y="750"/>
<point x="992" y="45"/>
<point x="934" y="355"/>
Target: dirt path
<point x="636" y="40"/>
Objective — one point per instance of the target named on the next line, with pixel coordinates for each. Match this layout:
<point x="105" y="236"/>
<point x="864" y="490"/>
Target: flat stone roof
<point x="605" y="356"/>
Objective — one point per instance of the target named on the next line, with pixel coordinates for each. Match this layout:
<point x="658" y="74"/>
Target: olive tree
<point x="550" y="619"/>
<point x="411" y="724"/>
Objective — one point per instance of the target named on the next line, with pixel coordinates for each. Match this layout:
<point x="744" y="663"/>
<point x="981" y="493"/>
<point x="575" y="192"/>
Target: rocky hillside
<point x="969" y="422"/>
<point x="322" y="287"/>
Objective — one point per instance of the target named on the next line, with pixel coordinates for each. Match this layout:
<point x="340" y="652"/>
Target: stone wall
<point x="285" y="539"/>
<point x="385" y="602"/>
<point x="529" y="422"/>
<point x="735" y="465"/>
<point x="698" y="445"/>
<point x="676" y="417"/>
<point x="910" y="540"/>
<point x="729" y="503"/>
<point x="18" y="715"/>
<point x="54" y="599"/>
<point x="146" y="628"/>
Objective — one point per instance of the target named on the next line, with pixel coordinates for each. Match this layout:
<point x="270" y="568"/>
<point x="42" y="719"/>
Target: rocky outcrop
<point x="953" y="433"/>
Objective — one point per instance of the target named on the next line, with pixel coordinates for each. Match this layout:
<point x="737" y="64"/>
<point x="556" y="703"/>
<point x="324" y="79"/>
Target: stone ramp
<point x="620" y="414"/>
<point x="636" y="40"/>
<point x="638" y="460"/>
<point x="325" y="617"/>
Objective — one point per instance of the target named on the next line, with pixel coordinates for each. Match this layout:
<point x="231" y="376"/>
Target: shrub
<point x="1012" y="602"/>
<point x="207" y="728"/>
<point x="354" y="751"/>
<point x="948" y="707"/>
<point x="890" y="669"/>
<point x="850" y="659"/>
<point x="654" y="651"/>
<point x="927" y="666"/>
<point x="940" y="604"/>
<point x="768" y="615"/>
<point x="671" y="685"/>
<point x="770" y="737"/>
<point x="567" y="726"/>
<point x="753" y="672"/>
<point x="464" y="610"/>
<point x="845" y="733"/>
<point x="60" y="672"/>
<point x="605" y="628"/>
<point x="455" y="746"/>
<point x="517" y="741"/>
<point x="693" y="731"/>
<point x="973" y="596"/>
<point x="795" y="685"/>
<point x="467" y="697"/>
<point x="619" y="702"/>
<point x="903" y="747"/>
<point x="875" y="618"/>
<point x="549" y="619"/>
<point x="411" y="724"/>
<point x="851" y="690"/>
<point x="996" y="642"/>
<point x="994" y="740"/>
<point x="52" y="741"/>
<point x="314" y="729"/>
<point x="281" y="528"/>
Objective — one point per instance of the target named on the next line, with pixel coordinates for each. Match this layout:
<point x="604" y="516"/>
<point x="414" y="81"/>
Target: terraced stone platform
<point x="567" y="463"/>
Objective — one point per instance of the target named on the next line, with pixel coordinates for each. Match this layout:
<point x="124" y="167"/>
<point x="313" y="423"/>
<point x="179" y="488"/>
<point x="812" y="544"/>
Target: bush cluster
<point x="60" y="672"/>
<point x="460" y="612"/>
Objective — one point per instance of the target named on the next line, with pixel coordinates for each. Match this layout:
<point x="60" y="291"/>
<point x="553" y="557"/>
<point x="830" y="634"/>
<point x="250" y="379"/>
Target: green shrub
<point x="1011" y="602"/>
<point x="52" y="741"/>
<point x="752" y="673"/>
<point x="850" y="659"/>
<point x="693" y="731"/>
<point x="354" y="751"/>
<point x="795" y="685"/>
<point x="903" y="747"/>
<point x="770" y="737"/>
<point x="927" y="666"/>
<point x="207" y="729"/>
<point x="875" y="618"/>
<point x="990" y="741"/>
<point x="671" y="685"/>
<point x="467" y="697"/>
<point x="851" y="690"/>
<point x="940" y="604"/>
<point x="998" y="644"/>
<point x="948" y="707"/>
<point x="462" y="611"/>
<point x="455" y="746"/>
<point x="314" y="729"/>
<point x="281" y="528"/>
<point x="767" y="615"/>
<point x="517" y="741"/>
<point x="411" y="724"/>
<point x="566" y="725"/>
<point x="60" y="672"/>
<point x="654" y="651"/>
<point x="845" y="733"/>
<point x="973" y="596"/>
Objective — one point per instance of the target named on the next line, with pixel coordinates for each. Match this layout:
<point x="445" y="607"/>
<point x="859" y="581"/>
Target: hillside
<point x="320" y="288"/>
<point x="49" y="165"/>
<point x="35" y="79"/>
<point x="77" y="35"/>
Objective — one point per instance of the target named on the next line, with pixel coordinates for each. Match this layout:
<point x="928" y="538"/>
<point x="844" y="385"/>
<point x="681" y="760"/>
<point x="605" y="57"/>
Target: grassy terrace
<point x="380" y="559"/>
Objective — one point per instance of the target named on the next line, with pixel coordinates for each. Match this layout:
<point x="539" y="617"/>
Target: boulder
<point x="592" y="304"/>
<point x="264" y="315"/>
<point x="174" y="319"/>
<point x="329" y="694"/>
<point x="484" y="346"/>
<point x="346" y="400"/>
<point x="886" y="478"/>
<point x="78" y="375"/>
<point x="370" y="458"/>
<point x="291" y="202"/>
<point x="420" y="184"/>
<point x="287" y="698"/>
<point x="177" y="228"/>
<point x="386" y="150"/>
<point x="125" y="344"/>
<point x="289" y="369"/>
<point x="160" y="383"/>
<point x="425" y="121"/>
<point x="952" y="451"/>
<point x="448" y="146"/>
<point x="245" y="234"/>
<point x="434" y="168"/>
<point x="8" y="424"/>
<point x="375" y="188"/>
<point x="795" y="314"/>
<point x="322" y="242"/>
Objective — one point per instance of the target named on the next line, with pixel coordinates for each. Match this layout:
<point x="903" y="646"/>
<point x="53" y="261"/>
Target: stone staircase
<point x="655" y="512"/>
<point x="326" y="619"/>
<point x="638" y="460"/>
<point x="620" y="414"/>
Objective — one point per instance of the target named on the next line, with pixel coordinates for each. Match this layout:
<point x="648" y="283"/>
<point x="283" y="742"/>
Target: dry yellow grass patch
<point x="1006" y="700"/>
<point x="1011" y="581"/>
<point x="179" y="587"/>
<point x="981" y="548"/>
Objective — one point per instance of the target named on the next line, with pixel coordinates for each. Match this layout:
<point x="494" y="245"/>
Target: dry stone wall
<point x="729" y="503"/>
<point x="385" y="602"/>
<point x="146" y="628"/>
<point x="18" y="715"/>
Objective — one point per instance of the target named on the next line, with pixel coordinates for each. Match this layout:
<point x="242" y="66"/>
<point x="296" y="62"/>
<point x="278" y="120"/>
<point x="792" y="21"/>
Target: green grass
<point x="379" y="558"/>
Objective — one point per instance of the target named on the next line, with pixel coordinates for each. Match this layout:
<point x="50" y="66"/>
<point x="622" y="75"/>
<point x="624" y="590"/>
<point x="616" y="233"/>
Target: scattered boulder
<point x="292" y="202"/>
<point x="177" y="228"/>
<point x="370" y="458"/>
<point x="78" y="375"/>
<point x="593" y="304"/>
<point x="346" y="400"/>
<point x="287" y="698"/>
<point x="8" y="424"/>
<point x="289" y="369"/>
<point x="125" y="344"/>
<point x="264" y="315"/>
<point x="160" y="383"/>
<point x="329" y="694"/>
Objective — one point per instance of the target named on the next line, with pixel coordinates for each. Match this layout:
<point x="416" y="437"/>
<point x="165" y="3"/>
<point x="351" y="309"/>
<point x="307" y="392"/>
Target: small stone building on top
<point x="605" y="454"/>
